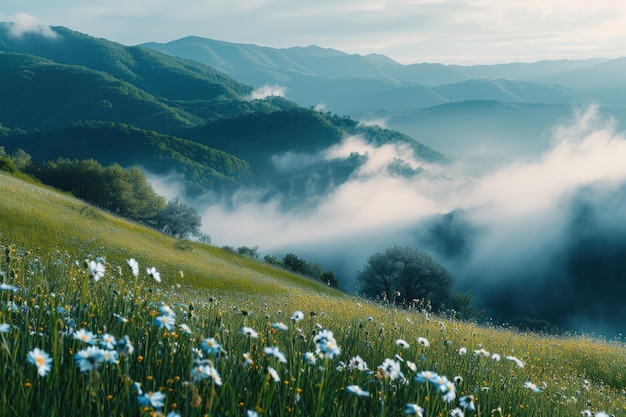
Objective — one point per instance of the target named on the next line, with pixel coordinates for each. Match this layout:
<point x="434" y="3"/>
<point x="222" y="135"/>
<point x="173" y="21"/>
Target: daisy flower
<point x="165" y="321"/>
<point x="7" y="287"/>
<point x="423" y="341"/>
<point x="215" y="376"/>
<point x="89" y="359"/>
<point x="297" y="316"/>
<point x="356" y="390"/>
<point x="273" y="374"/>
<point x="5" y="327"/>
<point x="274" y="351"/>
<point x="211" y="346"/>
<point x="124" y="346"/>
<point x="134" y="266"/>
<point x="357" y="363"/>
<point x="495" y="357"/>
<point x="152" y="399"/>
<point x="414" y="409"/>
<point x="85" y="336"/>
<point x="482" y="352"/>
<point x="457" y="412"/>
<point x="249" y="331"/>
<point x="185" y="328"/>
<point x="467" y="403"/>
<point x="426" y="376"/>
<point x="402" y="343"/>
<point x="96" y="270"/>
<point x="412" y="366"/>
<point x="110" y="356"/>
<point x="107" y="341"/>
<point x="531" y="386"/>
<point x="167" y="310"/>
<point x="280" y="326"/>
<point x="326" y="344"/>
<point x="41" y="360"/>
<point x="518" y="362"/>
<point x="154" y="274"/>
<point x="391" y="369"/>
<point x="310" y="357"/>
<point x="448" y="391"/>
<point x="462" y="351"/>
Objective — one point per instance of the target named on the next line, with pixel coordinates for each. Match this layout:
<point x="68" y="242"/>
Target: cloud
<point x="24" y="24"/>
<point x="267" y="91"/>
<point x="514" y="230"/>
<point x="374" y="122"/>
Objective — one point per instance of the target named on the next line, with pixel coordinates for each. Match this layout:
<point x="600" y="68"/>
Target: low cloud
<point x="374" y="122"/>
<point x="24" y="24"/>
<point x="267" y="91"/>
<point x="520" y="237"/>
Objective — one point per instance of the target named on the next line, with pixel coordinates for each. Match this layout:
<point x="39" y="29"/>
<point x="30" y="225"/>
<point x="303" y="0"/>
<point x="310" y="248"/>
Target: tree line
<point x="122" y="191"/>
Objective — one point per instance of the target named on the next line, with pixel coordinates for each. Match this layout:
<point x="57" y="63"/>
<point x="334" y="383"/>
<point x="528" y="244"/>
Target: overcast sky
<point x="409" y="31"/>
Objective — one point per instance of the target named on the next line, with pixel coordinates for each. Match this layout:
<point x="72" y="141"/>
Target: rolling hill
<point x="81" y="97"/>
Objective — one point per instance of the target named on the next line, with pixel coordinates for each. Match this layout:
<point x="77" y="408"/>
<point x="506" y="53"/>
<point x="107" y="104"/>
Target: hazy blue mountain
<point x="361" y="86"/>
<point x="507" y="91"/>
<point x="603" y="75"/>
<point x="488" y="128"/>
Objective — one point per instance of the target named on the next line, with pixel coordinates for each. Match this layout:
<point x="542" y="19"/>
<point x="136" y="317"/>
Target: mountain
<point x="41" y="94"/>
<point x="296" y="66"/>
<point x="375" y="87"/>
<point x="76" y="96"/>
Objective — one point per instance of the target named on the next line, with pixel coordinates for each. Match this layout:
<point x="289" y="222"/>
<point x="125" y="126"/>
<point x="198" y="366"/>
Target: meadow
<point x="103" y="317"/>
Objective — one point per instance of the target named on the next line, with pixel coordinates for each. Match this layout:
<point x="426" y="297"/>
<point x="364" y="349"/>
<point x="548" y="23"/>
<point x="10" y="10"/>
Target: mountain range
<point x="76" y="96"/>
<point x="532" y="96"/>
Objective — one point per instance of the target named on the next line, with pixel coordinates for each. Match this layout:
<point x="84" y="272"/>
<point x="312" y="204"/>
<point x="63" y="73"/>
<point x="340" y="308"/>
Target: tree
<point x="330" y="279"/>
<point x="179" y="220"/>
<point x="252" y="252"/>
<point x="291" y="261"/>
<point x="403" y="276"/>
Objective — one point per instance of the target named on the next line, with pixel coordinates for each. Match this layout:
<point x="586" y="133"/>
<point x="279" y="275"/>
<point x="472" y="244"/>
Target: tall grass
<point x="48" y="297"/>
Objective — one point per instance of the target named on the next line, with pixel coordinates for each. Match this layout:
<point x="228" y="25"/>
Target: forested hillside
<point x="76" y="96"/>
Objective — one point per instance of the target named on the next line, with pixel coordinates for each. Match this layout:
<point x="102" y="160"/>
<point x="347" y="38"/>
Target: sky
<point x="464" y="32"/>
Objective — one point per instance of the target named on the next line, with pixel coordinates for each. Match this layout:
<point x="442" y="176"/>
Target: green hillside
<point x="221" y="334"/>
<point x="32" y="215"/>
<point x="41" y="94"/>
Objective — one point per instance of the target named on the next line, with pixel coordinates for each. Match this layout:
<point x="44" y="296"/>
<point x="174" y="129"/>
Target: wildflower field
<point x="101" y="317"/>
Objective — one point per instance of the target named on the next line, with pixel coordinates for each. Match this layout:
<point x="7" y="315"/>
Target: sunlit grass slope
<point x="221" y="335"/>
<point x="36" y="216"/>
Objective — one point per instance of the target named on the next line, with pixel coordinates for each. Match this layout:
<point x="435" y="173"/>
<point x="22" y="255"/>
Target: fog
<point x="540" y="237"/>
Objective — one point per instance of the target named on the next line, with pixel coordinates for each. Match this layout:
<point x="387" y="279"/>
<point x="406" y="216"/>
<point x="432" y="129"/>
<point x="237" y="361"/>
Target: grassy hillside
<point x="70" y="225"/>
<point x="218" y="330"/>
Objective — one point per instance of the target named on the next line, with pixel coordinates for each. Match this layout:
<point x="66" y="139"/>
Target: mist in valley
<point x="537" y="236"/>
